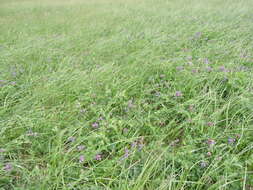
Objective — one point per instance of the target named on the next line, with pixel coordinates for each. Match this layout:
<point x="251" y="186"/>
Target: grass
<point x="126" y="95"/>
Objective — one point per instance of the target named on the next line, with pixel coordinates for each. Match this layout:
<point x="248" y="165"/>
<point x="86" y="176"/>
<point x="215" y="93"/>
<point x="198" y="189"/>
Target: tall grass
<point x="126" y="95"/>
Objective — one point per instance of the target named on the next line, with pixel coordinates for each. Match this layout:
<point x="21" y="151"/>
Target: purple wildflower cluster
<point x="206" y="61"/>
<point x="31" y="133"/>
<point x="4" y="83"/>
<point x="98" y="157"/>
<point x="2" y="150"/>
<point x="127" y="153"/>
<point x="7" y="167"/>
<point x="136" y="144"/>
<point x="139" y="143"/>
<point x="175" y="142"/>
<point x="178" y="94"/>
<point x="81" y="159"/>
<point x="71" y="139"/>
<point x="231" y="140"/>
<point x="195" y="70"/>
<point x="130" y="104"/>
<point x="209" y="69"/>
<point x="211" y="142"/>
<point x="80" y="147"/>
<point x="203" y="164"/>
<point x="179" y="68"/>
<point x="209" y="154"/>
<point x="95" y="125"/>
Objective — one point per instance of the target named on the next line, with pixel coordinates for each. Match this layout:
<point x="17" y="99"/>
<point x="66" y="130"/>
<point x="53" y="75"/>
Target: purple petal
<point x="130" y="104"/>
<point x="211" y="142"/>
<point x="209" y="69"/>
<point x="80" y="147"/>
<point x="7" y="167"/>
<point x="81" y="159"/>
<point x="71" y="139"/>
<point x="180" y="68"/>
<point x="178" y="94"/>
<point x="231" y="140"/>
<point x="206" y="61"/>
<point x="203" y="164"/>
<point x="2" y="150"/>
<point x="126" y="155"/>
<point x="98" y="157"/>
<point x="134" y="144"/>
<point x="95" y="125"/>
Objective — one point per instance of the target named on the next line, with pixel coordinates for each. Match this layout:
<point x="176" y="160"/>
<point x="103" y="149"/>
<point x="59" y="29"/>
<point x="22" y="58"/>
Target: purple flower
<point x="127" y="152"/>
<point x="130" y="104"/>
<point x="100" y="118"/>
<point x="211" y="142"/>
<point x="141" y="143"/>
<point x="209" y="154"/>
<point x="206" y="61"/>
<point x="198" y="35"/>
<point x="134" y="144"/>
<point x="30" y="133"/>
<point x="175" y="142"/>
<point x="80" y="147"/>
<point x="71" y="139"/>
<point x="210" y="124"/>
<point x="203" y="164"/>
<point x="95" y="125"/>
<point x="162" y="123"/>
<point x="98" y="157"/>
<point x="178" y="94"/>
<point x="14" y="73"/>
<point x="140" y="146"/>
<point x="231" y="140"/>
<point x="225" y="79"/>
<point x="180" y="68"/>
<point x="2" y="150"/>
<point x="81" y="159"/>
<point x="194" y="70"/>
<point x="222" y="69"/>
<point x="7" y="167"/>
<point x="209" y="69"/>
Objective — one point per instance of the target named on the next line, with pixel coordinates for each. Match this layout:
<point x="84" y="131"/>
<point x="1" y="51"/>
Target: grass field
<point x="126" y="94"/>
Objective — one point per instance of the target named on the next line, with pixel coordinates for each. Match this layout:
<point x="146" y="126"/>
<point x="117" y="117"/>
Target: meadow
<point x="126" y="95"/>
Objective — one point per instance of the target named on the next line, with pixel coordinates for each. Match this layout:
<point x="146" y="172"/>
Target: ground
<point x="126" y="94"/>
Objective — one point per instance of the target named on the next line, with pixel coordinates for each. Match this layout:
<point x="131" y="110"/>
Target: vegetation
<point x="126" y="95"/>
